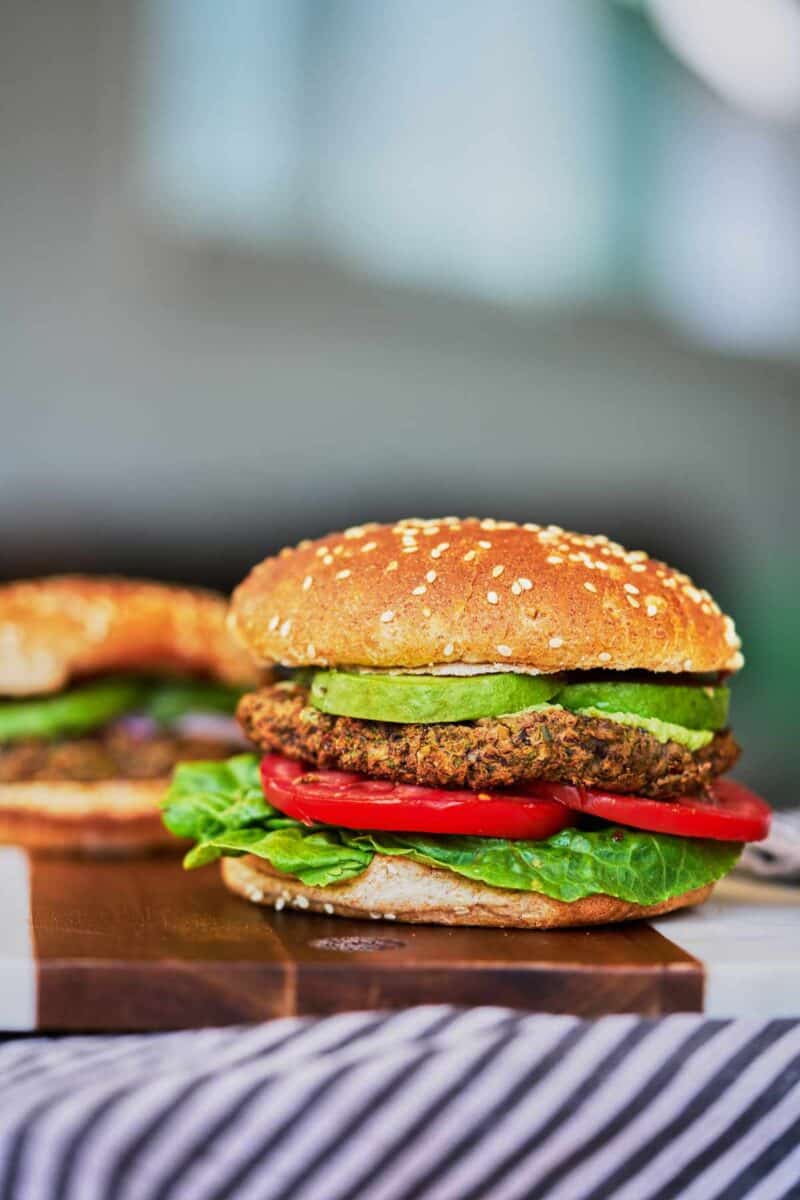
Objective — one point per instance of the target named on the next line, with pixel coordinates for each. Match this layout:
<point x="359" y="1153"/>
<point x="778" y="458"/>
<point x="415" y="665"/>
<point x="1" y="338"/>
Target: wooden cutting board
<point x="145" y="945"/>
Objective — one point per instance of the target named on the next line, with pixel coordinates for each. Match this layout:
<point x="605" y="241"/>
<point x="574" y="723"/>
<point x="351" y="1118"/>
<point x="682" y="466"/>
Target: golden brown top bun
<point x="436" y="594"/>
<point x="57" y="629"/>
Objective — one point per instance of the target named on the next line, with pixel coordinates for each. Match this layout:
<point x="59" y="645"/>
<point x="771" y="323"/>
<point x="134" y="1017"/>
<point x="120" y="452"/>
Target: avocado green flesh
<point x="671" y="712"/>
<point x="427" y="699"/>
<point x="662" y="731"/>
<point x="92" y="705"/>
<point x="692" y="707"/>
<point x="73" y="712"/>
<point x="173" y="699"/>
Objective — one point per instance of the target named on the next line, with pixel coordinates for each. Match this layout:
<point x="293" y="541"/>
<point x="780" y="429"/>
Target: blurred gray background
<point x="269" y="267"/>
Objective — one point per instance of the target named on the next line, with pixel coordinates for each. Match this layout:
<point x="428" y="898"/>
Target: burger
<point x="479" y="723"/>
<point x="105" y="684"/>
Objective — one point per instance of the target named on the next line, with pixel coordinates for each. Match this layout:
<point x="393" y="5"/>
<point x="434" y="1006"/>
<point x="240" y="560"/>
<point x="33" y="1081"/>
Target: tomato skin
<point x="728" y="812"/>
<point x="357" y="802"/>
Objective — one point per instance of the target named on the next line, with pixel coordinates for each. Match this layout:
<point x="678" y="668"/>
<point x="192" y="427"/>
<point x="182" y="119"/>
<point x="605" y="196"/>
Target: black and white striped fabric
<point x="430" y="1102"/>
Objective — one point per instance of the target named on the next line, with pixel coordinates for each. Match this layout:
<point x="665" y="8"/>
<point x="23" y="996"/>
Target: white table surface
<point x="748" y="937"/>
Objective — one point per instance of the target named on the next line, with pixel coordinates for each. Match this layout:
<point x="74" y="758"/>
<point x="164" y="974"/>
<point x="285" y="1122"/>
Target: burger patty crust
<point x="494" y="752"/>
<point x="110" y="754"/>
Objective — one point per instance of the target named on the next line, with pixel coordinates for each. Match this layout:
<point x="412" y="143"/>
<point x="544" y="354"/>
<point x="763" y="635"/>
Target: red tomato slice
<point x="729" y="812"/>
<point x="357" y="802"/>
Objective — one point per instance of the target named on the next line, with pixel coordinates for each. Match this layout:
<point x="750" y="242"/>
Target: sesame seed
<point x="604" y="656"/>
<point x="492" y="597"/>
<point x="555" y="642"/>
<point x="436" y="552"/>
<point x="497" y="572"/>
<point x="637" y="556"/>
<point x="365" y="549"/>
<point x="443" y="546"/>
<point x="485" y="545"/>
<point x="328" y="559"/>
<point x="274" y="622"/>
<point x="737" y="661"/>
<point x="307" y="582"/>
<point x="590" y="587"/>
<point x="280" y="904"/>
<point x="430" y="530"/>
<point x="409" y="549"/>
<point x="343" y="574"/>
<point x="468" y="557"/>
<point x="321" y="551"/>
<point x="524" y="583"/>
<point x="515" y="588"/>
<point x="670" y="582"/>
<point x="355" y="531"/>
<point x="631" y="587"/>
<point x="328" y="908"/>
<point x="387" y="616"/>
<point x="637" y="566"/>
<point x="488" y="523"/>
<point x="687" y="664"/>
<point x="634" y="603"/>
<point x="311" y="650"/>
<point x="731" y="636"/>
<point x="389" y="917"/>
<point x="419" y="591"/>
<point x="651" y="610"/>
<point x="285" y="627"/>
<point x="555" y="559"/>
<point x="392" y="565"/>
<point x="504" y="650"/>
<point x="600" y="565"/>
<point x="301" y="901"/>
<point x="256" y="895"/>
<point x="430" y="576"/>
<point x="531" y="528"/>
<point x="448" y="650"/>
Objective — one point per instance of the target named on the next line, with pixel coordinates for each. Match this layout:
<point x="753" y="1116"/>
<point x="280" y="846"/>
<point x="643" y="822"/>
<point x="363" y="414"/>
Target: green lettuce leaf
<point x="221" y="806"/>
<point x="630" y="864"/>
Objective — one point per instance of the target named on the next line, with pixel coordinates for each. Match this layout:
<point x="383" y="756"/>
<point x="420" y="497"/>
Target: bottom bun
<point x="102" y="817"/>
<point x="397" y="889"/>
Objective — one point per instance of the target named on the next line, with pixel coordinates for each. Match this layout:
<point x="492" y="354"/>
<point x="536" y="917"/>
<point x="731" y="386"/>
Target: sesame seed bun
<point x="444" y="594"/>
<point x="106" y="817"/>
<point x="396" y="889"/>
<point x="57" y="629"/>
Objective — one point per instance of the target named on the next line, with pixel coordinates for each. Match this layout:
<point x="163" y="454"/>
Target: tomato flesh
<point x="727" y="812"/>
<point x="357" y="802"/>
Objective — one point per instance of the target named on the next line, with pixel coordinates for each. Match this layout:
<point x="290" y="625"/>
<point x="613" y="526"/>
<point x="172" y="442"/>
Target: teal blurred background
<point x="274" y="266"/>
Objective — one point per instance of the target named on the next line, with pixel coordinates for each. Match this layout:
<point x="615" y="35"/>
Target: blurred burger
<point x="483" y="723"/>
<point x="105" y="684"/>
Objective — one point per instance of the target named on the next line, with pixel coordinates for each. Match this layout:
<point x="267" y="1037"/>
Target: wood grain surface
<point x="146" y="946"/>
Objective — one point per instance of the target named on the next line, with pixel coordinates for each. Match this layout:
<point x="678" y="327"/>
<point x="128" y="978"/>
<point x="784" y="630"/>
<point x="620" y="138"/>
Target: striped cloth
<point x="429" y="1102"/>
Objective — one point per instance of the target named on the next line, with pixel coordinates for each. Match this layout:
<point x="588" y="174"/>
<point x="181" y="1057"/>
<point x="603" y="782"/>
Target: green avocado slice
<point x="427" y="699"/>
<point x="692" y="707"/>
<point x="174" y="698"/>
<point x="73" y="712"/>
